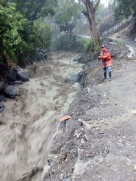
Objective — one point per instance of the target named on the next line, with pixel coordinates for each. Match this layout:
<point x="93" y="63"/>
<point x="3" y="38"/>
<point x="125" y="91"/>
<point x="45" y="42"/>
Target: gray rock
<point x="77" y="86"/>
<point x="80" y="59"/>
<point x="21" y="75"/>
<point x="75" y="77"/>
<point x="17" y="82"/>
<point x="10" y="91"/>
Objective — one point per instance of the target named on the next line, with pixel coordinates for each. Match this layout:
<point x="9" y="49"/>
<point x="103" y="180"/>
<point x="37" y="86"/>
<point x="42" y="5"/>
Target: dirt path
<point x="99" y="144"/>
<point x="29" y="122"/>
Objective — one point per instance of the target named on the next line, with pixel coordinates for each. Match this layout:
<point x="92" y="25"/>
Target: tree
<point x="11" y="22"/>
<point x="89" y="11"/>
<point x="20" y="35"/>
<point x="33" y="9"/>
<point x="65" y="20"/>
<point x="43" y="34"/>
<point x="66" y="15"/>
<point x="124" y="8"/>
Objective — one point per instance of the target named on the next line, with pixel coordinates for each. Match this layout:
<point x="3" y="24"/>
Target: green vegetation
<point x="118" y="43"/>
<point x="53" y="24"/>
<point x="86" y="44"/>
<point x="43" y="34"/>
<point x="66" y="12"/>
<point x="22" y="32"/>
<point x="124" y="8"/>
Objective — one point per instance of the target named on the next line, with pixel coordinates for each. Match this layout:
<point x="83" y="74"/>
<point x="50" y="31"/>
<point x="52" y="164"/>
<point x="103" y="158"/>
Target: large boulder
<point x="11" y="91"/>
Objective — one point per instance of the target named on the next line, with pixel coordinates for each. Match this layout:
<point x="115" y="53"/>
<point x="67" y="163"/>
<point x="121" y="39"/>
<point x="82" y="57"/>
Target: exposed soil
<point x="99" y="142"/>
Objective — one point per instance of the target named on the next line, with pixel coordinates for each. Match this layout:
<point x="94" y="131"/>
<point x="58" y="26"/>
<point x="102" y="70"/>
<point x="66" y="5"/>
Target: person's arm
<point x="105" y="56"/>
<point x="100" y="57"/>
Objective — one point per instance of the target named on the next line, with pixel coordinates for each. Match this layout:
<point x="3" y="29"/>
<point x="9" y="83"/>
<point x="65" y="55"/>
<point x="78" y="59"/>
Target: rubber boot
<point x="109" y="76"/>
<point x="104" y="74"/>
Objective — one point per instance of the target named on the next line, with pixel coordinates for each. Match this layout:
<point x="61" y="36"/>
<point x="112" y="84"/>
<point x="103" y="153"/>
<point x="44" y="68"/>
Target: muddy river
<point x="30" y="120"/>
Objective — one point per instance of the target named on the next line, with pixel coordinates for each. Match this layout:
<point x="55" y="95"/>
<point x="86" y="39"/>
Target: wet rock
<point x="77" y="86"/>
<point x="11" y="75"/>
<point x="21" y="74"/>
<point x="11" y="91"/>
<point x="81" y="59"/>
<point x="62" y="125"/>
<point x="2" y="107"/>
<point x="17" y="82"/>
<point x="40" y="55"/>
<point x="75" y="77"/>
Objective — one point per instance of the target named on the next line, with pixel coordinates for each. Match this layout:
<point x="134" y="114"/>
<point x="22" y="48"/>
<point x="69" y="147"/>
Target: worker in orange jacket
<point x="106" y="61"/>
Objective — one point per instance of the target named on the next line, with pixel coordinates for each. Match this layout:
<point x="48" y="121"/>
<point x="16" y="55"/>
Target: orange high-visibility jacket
<point x="105" y="57"/>
<point x="103" y="50"/>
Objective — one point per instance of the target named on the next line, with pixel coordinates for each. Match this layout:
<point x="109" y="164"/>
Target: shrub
<point x="87" y="45"/>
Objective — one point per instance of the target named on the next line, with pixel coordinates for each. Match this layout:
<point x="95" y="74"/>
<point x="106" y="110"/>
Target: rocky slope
<point x="99" y="142"/>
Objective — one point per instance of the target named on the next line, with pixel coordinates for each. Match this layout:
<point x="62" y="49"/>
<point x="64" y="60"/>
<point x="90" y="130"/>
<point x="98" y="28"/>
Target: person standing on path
<point x="106" y="61"/>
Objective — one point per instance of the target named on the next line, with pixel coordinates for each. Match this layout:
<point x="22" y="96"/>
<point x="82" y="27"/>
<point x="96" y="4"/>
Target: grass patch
<point x="118" y="43"/>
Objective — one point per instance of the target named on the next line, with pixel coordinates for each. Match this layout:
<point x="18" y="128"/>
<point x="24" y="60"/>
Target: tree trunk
<point x="89" y="12"/>
<point x="94" y="29"/>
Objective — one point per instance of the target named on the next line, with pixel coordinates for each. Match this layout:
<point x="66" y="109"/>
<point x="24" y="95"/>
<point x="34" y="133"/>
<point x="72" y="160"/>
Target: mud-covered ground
<point x="99" y="142"/>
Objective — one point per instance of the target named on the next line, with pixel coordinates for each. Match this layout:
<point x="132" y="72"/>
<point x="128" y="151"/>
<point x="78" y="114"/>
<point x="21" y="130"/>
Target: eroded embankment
<point x="29" y="121"/>
<point x="99" y="142"/>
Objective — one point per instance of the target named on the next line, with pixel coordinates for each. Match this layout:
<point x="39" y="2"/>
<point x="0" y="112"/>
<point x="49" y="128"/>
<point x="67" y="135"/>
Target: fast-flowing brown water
<point x="29" y="121"/>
